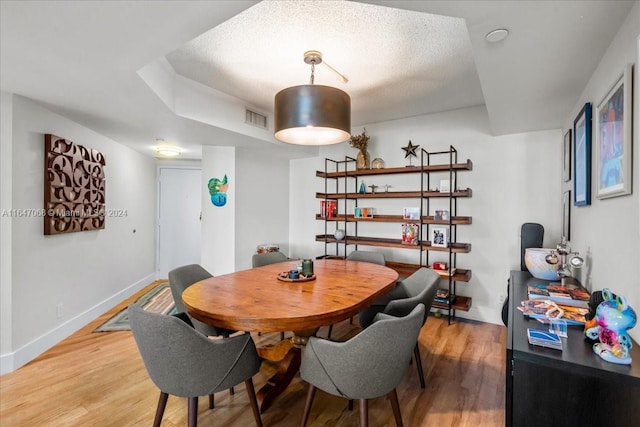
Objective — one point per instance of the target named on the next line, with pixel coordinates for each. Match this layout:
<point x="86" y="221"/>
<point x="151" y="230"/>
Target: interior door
<point x="179" y="208"/>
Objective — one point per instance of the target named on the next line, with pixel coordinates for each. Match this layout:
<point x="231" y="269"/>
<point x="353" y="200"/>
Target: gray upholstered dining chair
<point x="367" y="366"/>
<point x="367" y="256"/>
<point x="266" y="258"/>
<point x="183" y="362"/>
<point x="419" y="288"/>
<point x="181" y="278"/>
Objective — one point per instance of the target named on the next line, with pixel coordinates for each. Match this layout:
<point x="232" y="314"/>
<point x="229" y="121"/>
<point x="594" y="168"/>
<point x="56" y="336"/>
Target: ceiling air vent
<point x="256" y="119"/>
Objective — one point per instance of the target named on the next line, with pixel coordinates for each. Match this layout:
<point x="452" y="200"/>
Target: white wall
<point x="219" y="222"/>
<point x="6" y="113"/>
<point x="515" y="179"/>
<point x="257" y="209"/>
<point x="86" y="272"/>
<point x="262" y="207"/>
<point x="608" y="231"/>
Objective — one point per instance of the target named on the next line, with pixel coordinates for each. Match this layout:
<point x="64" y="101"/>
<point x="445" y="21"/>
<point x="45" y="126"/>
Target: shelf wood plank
<point x="468" y="165"/>
<point x="406" y="269"/>
<point x="459" y="303"/>
<point x="394" y="195"/>
<point x="393" y="243"/>
<point x="455" y="220"/>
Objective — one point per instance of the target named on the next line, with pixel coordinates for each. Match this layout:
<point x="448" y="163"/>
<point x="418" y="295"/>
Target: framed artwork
<point x="442" y="215"/>
<point x="582" y="157"/>
<point x="411" y="213"/>
<point x="566" y="215"/>
<point x="566" y="156"/>
<point x="613" y="139"/>
<point x="440" y="236"/>
<point x="445" y="186"/>
<point x="410" y="234"/>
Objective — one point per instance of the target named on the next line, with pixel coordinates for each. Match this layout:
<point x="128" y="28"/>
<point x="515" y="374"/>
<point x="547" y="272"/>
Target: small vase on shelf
<point x="363" y="160"/>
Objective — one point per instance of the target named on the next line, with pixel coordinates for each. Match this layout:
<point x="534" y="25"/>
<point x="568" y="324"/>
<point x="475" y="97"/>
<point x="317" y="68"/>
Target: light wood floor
<point x="98" y="379"/>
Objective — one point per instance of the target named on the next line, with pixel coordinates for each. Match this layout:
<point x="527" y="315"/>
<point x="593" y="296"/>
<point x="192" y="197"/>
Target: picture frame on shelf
<point x="410" y="233"/>
<point x="442" y="215"/>
<point x="582" y="157"/>
<point x="613" y="139"/>
<point x="566" y="157"/>
<point x="445" y="186"/>
<point x="566" y="215"/>
<point x="440" y="237"/>
<point x="411" y="213"/>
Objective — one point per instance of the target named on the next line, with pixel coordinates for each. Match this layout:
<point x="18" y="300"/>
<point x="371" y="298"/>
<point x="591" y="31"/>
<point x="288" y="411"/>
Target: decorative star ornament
<point x="410" y="151"/>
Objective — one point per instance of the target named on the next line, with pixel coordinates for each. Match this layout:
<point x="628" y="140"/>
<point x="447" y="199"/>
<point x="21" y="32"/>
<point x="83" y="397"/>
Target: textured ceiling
<point x="83" y="60"/>
<point x="399" y="63"/>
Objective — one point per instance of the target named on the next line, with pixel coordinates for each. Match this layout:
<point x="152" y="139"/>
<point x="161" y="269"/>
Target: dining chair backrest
<point x="183" y="362"/>
<point x="369" y="365"/>
<point x="421" y="288"/>
<point x="266" y="258"/>
<point x="181" y="278"/>
<point x="367" y="256"/>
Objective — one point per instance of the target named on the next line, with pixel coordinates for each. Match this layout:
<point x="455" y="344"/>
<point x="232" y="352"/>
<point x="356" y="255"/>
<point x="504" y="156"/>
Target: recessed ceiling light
<point x="497" y="35"/>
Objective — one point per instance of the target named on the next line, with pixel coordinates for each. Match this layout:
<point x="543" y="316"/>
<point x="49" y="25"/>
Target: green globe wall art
<point x="218" y="190"/>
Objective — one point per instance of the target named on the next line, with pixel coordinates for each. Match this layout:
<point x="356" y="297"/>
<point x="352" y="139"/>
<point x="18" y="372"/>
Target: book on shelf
<point x="540" y="309"/>
<point x="328" y="208"/>
<point x="443" y="296"/>
<point x="572" y="294"/>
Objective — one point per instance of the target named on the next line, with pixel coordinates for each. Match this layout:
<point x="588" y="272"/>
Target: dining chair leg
<point x="393" y="397"/>
<point x="251" y="391"/>
<point x="281" y="336"/>
<point x="416" y="354"/>
<point x="193" y="411"/>
<point x="232" y="391"/>
<point x="211" y="401"/>
<point x="350" y="405"/>
<point x="330" y="329"/>
<point x="364" y="413"/>
<point x="307" y="406"/>
<point x="162" y="403"/>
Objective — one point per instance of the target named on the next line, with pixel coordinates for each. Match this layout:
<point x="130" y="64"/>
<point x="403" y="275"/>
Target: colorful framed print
<point x="613" y="139"/>
<point x="582" y="157"/>
<point x="566" y="157"/>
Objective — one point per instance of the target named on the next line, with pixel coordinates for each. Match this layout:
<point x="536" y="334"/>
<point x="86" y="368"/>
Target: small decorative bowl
<point x="377" y="163"/>
<point x="535" y="260"/>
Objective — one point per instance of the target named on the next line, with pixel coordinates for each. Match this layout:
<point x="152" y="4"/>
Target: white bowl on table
<point x="536" y="262"/>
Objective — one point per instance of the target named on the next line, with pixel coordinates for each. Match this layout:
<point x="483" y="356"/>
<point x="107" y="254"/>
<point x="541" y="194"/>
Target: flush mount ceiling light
<point x="168" y="151"/>
<point x="313" y="114"/>
<point x="497" y="35"/>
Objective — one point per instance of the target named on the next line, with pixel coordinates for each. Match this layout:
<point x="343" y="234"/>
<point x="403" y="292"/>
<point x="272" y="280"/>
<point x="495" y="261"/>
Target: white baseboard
<point x="9" y="362"/>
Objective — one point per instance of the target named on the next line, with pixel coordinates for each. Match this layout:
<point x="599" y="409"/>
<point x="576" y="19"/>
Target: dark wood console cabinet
<point x="572" y="387"/>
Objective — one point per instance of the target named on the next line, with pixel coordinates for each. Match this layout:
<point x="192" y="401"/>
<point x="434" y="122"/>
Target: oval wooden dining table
<point x="255" y="300"/>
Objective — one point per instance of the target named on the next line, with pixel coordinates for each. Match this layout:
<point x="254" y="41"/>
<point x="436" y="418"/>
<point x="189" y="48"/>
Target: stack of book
<point x="539" y="309"/>
<point x="443" y="297"/>
<point x="544" y="338"/>
<point x="572" y="294"/>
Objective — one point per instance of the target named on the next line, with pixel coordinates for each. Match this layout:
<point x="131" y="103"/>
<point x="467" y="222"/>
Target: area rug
<point x="157" y="300"/>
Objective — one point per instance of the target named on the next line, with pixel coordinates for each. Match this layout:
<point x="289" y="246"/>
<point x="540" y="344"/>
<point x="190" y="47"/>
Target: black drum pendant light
<point x="313" y="114"/>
